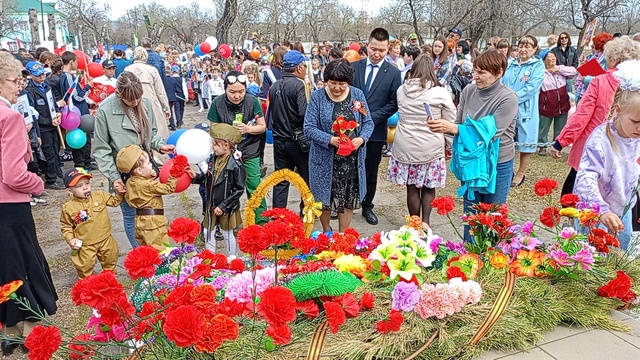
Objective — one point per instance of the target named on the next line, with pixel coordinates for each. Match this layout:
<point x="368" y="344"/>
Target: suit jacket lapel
<point x="378" y="79"/>
<point x="362" y="71"/>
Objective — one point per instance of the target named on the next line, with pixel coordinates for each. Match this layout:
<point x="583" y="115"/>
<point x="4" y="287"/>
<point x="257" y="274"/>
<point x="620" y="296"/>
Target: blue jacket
<point x="474" y="158"/>
<point x="120" y="65"/>
<point x="317" y="126"/>
<point x="526" y="81"/>
<point x="156" y="61"/>
<point x="173" y="88"/>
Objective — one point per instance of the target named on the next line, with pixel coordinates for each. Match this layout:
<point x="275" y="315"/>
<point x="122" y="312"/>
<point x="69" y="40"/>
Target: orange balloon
<point x="255" y="53"/>
<point x="351" y="55"/>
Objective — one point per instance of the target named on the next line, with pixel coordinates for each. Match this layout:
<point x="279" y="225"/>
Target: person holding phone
<point x="418" y="158"/>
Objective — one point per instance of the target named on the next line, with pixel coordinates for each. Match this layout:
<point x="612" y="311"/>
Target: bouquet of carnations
<point x="344" y="129"/>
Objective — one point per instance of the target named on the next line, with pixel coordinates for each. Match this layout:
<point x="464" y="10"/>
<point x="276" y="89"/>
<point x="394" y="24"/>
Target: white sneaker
<point x="39" y="200"/>
<point x="33" y="203"/>
<point x="201" y="110"/>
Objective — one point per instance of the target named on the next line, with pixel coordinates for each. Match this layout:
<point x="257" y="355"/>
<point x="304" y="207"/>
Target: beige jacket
<point x="153" y="89"/>
<point x="413" y="142"/>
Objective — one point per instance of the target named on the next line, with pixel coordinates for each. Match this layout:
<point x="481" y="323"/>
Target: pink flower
<point x="584" y="257"/>
<point x="527" y="227"/>
<point x="445" y="299"/>
<point x="240" y="286"/>
<point x="567" y="233"/>
<point x="560" y="257"/>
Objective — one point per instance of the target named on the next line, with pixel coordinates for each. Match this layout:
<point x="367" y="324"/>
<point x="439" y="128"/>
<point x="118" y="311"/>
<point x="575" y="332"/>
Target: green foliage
<point x="323" y="283"/>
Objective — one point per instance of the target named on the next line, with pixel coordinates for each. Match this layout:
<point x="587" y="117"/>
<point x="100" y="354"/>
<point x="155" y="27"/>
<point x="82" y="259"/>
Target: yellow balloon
<point x="391" y="134"/>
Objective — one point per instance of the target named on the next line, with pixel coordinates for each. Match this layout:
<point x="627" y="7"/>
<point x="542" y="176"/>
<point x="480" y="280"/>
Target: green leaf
<point x="269" y="345"/>
<point x="375" y="265"/>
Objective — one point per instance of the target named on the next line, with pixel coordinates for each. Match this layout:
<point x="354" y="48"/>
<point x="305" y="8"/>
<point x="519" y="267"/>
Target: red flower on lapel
<point x="358" y="106"/>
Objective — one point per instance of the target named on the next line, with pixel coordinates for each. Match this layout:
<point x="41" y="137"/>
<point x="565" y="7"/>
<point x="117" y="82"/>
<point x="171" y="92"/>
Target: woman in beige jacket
<point x="418" y="155"/>
<point x="152" y="88"/>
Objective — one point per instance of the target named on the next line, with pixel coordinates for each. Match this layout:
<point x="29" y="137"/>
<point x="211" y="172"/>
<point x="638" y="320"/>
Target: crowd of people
<point x="328" y="115"/>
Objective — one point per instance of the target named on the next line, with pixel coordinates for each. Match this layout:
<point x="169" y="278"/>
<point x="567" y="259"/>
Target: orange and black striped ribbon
<point x="317" y="341"/>
<point x="497" y="309"/>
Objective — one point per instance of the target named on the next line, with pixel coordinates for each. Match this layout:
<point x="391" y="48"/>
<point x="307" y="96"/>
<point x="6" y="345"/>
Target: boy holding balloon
<point x="41" y="100"/>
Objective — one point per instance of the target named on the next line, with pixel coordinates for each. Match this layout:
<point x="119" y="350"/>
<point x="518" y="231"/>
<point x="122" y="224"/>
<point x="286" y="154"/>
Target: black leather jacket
<point x="287" y="106"/>
<point x="227" y="190"/>
<point x="568" y="57"/>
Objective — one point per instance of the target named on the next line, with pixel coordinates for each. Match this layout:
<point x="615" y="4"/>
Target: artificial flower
<point x="545" y="187"/>
<point x="526" y="262"/>
<point x="454" y="272"/>
<point x="237" y="265"/>
<point x="550" y="217"/>
<point x="97" y="290"/>
<point x="569" y="212"/>
<point x="560" y="257"/>
<point x="79" y="348"/>
<point x="322" y="243"/>
<point x="335" y="315"/>
<point x="183" y="325"/>
<point x="588" y="217"/>
<point x="584" y="258"/>
<point x="393" y="322"/>
<point x="277" y="305"/>
<point x="367" y="301"/>
<point x="404" y="266"/>
<point x="309" y="308"/>
<point x="147" y="321"/>
<point x="569" y="200"/>
<point x="178" y="166"/>
<point x="470" y="264"/>
<point x="43" y="342"/>
<point x="351" y="263"/>
<point x="184" y="230"/>
<point x="216" y="330"/>
<point x="619" y="287"/>
<point x="281" y="335"/>
<point x="203" y="297"/>
<point x="601" y="240"/>
<point x="241" y="287"/>
<point x="499" y="260"/>
<point x="349" y="304"/>
<point x="343" y="243"/>
<point x="445" y="299"/>
<point x="251" y="241"/>
<point x="116" y="312"/>
<point x="7" y="290"/>
<point x="568" y="233"/>
<point x="443" y="204"/>
<point x="141" y="262"/>
<point x="405" y="296"/>
<point x="179" y="295"/>
<point x="276" y="233"/>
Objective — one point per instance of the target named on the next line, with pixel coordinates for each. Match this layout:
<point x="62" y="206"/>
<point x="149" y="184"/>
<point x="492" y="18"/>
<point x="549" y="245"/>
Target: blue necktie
<point x="367" y="84"/>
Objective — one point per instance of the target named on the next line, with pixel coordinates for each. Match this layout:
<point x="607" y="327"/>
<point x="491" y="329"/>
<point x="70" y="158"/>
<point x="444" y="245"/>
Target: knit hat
<point x="226" y="132"/>
<point x="127" y="158"/>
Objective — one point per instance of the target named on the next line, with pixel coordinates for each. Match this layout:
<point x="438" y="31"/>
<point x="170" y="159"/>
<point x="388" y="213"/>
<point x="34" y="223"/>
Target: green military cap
<point x="226" y="132"/>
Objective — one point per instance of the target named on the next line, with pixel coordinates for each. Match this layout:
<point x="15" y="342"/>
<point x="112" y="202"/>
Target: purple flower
<point x="362" y="243"/>
<point x="560" y="257"/>
<point x="527" y="227"/>
<point x="220" y="282"/>
<point x="457" y="247"/>
<point x="405" y="296"/>
<point x="584" y="257"/>
<point x="434" y="245"/>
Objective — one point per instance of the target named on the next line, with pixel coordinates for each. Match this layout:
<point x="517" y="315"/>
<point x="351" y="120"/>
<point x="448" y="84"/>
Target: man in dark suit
<point x="379" y="81"/>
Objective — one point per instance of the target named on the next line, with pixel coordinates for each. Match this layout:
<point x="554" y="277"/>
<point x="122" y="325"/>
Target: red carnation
<point x="550" y="217"/>
<point x="276" y="233"/>
<point x="392" y="323"/>
<point x="231" y="308"/>
<point x="349" y="304"/>
<point x="367" y="301"/>
<point x="237" y="265"/>
<point x="183" y="325"/>
<point x="43" y="342"/>
<point x="216" y="330"/>
<point x="545" y="187"/>
<point x="335" y="315"/>
<point x="569" y="200"/>
<point x="454" y="272"/>
<point x="277" y="305"/>
<point x="141" y="262"/>
<point x="179" y="164"/>
<point x="79" y="348"/>
<point x="309" y="308"/>
<point x="147" y="322"/>
<point x="281" y="335"/>
<point x="345" y="243"/>
<point x="180" y="295"/>
<point x="352" y="231"/>
<point x="117" y="312"/>
<point x="97" y="290"/>
<point x="216" y="261"/>
<point x="183" y="230"/>
<point x="443" y="204"/>
<point x="619" y="288"/>
<point x="250" y="240"/>
<point x="203" y="296"/>
<point x="322" y="243"/>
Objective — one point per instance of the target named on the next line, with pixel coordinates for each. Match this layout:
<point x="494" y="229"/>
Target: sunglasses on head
<point x="232" y="79"/>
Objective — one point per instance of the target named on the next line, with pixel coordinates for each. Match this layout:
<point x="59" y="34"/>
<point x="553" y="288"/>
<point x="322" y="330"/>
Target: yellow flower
<point x="351" y="263"/>
<point x="329" y="255"/>
<point x="569" y="212"/>
<point x="499" y="260"/>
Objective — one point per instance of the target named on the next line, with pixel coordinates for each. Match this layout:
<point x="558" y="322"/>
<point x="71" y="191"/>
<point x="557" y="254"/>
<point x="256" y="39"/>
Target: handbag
<point x="304" y="144"/>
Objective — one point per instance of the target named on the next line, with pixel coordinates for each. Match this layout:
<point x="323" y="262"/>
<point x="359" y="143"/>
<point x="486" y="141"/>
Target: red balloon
<point x="205" y="47"/>
<point x="354" y="46"/>
<point x="224" y="50"/>
<point x="183" y="182"/>
<point x="95" y="70"/>
<point x="82" y="59"/>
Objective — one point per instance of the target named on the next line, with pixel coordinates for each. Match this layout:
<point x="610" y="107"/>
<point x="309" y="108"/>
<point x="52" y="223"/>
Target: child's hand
<point x="612" y="222"/>
<point x="72" y="244"/>
<point x="190" y="172"/>
<point x="217" y="211"/>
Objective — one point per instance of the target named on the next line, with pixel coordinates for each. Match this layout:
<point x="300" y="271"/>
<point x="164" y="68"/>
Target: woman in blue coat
<point x="339" y="182"/>
<point x="525" y="77"/>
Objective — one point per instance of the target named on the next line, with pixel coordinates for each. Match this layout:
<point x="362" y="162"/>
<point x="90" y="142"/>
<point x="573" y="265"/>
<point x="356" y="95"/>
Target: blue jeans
<point x="503" y="185"/>
<point x="129" y="221"/>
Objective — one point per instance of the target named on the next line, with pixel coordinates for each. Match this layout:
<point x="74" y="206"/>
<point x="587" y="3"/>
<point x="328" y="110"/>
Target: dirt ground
<point x="390" y="207"/>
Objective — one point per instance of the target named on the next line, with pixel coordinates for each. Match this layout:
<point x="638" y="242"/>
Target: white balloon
<point x="195" y="144"/>
<point x="212" y="41"/>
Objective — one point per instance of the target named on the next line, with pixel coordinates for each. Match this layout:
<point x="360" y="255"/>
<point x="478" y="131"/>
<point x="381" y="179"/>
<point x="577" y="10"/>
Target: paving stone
<point x="592" y="345"/>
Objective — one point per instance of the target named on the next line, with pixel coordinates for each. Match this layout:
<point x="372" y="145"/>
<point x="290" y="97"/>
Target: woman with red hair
<point x="597" y="47"/>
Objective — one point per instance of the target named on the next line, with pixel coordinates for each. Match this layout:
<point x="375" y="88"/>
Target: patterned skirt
<point x="430" y="175"/>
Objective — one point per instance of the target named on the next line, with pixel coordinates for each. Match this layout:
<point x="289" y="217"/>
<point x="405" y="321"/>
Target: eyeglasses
<point x="232" y="79"/>
<point x="15" y="81"/>
<point x="563" y="38"/>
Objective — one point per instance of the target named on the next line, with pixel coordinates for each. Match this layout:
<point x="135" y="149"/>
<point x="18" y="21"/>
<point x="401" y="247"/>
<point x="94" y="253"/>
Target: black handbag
<point x="302" y="140"/>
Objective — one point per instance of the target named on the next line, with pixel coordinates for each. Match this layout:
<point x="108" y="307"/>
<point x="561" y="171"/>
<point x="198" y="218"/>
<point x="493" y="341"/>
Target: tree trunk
<point x="52" y="29"/>
<point x="35" y="27"/>
<point x="226" y="20"/>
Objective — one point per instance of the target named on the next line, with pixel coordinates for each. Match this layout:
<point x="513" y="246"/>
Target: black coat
<point x="227" y="190"/>
<point x="287" y="105"/>
<point x="38" y="100"/>
<point x="568" y="57"/>
<point x="382" y="99"/>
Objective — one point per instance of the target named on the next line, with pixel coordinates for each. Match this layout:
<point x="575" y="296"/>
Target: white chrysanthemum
<point x="629" y="75"/>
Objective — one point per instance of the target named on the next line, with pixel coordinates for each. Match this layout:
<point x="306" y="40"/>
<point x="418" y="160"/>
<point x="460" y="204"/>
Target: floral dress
<point x="344" y="181"/>
<point x="430" y="175"/>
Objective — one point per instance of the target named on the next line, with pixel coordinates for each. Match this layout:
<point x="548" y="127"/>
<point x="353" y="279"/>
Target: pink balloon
<point x="224" y="50"/>
<point x="71" y="121"/>
<point x="76" y="110"/>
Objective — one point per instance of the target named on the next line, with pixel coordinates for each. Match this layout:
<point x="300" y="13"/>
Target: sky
<point x="118" y="7"/>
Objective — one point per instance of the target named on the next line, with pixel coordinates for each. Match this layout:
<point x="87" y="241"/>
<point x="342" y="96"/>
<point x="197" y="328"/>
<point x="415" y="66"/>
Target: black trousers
<point x="50" y="146"/>
<point x="287" y="155"/>
<point x="177" y="112"/>
<point x="567" y="187"/>
<point x="371" y="165"/>
<point x="82" y="156"/>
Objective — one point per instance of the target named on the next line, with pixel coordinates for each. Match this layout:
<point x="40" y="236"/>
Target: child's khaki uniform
<point x="88" y="220"/>
<point x="145" y="195"/>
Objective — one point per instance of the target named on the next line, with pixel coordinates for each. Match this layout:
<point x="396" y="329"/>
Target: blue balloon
<point x="315" y="234"/>
<point x="329" y="233"/>
<point x="393" y="120"/>
<point x="76" y="138"/>
<point x="173" y="138"/>
<point x="198" y="51"/>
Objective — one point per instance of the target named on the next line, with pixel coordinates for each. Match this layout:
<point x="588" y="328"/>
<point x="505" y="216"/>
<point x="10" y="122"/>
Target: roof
<point x="23" y="6"/>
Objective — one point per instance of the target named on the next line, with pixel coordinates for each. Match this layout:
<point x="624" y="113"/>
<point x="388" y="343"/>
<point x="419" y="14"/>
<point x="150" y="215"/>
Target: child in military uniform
<point x="224" y="183"/>
<point x="144" y="193"/>
<point x="85" y="224"/>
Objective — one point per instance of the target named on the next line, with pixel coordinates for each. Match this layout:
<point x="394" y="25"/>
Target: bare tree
<point x="226" y="20"/>
<point x="8" y="20"/>
<point x="585" y="11"/>
<point x="86" y="17"/>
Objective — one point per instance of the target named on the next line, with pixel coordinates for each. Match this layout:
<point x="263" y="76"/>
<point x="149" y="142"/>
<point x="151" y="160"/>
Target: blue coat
<point x="317" y="126"/>
<point x="526" y="81"/>
<point x="120" y="65"/>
